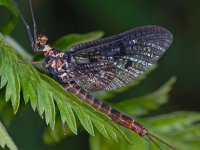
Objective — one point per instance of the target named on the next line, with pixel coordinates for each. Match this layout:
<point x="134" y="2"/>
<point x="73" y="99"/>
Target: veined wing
<point x="113" y="62"/>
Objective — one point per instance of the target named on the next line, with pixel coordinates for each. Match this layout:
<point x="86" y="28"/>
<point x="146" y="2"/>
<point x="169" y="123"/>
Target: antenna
<point x="151" y="137"/>
<point x="32" y="34"/>
<point x="34" y="23"/>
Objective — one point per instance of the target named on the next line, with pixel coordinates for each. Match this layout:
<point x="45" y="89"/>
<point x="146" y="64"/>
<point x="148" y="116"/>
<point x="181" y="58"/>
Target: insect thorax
<point x="58" y="66"/>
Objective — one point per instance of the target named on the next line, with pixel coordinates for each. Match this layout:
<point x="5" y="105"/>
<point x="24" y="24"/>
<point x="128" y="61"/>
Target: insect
<point x="106" y="64"/>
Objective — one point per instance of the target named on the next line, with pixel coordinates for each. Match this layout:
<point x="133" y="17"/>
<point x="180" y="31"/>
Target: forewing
<point x="95" y="76"/>
<point x="129" y="54"/>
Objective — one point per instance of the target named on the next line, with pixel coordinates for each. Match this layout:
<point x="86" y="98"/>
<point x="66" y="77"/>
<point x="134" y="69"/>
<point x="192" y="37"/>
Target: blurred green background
<point x="60" y="17"/>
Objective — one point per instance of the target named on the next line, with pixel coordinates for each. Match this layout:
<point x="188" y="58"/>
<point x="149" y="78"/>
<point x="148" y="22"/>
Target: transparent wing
<point x="113" y="62"/>
<point x="95" y="76"/>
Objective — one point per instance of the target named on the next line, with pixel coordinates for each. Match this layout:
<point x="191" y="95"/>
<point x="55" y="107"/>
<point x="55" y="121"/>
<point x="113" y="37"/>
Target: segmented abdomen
<point x="114" y="114"/>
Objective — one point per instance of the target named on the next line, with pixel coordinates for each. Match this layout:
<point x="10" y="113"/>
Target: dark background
<point x="60" y="17"/>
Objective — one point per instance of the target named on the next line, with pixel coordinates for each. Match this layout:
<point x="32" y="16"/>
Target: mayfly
<point x="106" y="64"/>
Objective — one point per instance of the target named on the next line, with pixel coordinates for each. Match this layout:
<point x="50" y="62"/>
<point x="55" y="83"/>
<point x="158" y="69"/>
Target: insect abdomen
<point x="114" y="114"/>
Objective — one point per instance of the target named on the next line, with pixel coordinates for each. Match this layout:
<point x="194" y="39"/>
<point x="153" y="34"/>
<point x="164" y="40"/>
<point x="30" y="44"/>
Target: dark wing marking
<point x="124" y="57"/>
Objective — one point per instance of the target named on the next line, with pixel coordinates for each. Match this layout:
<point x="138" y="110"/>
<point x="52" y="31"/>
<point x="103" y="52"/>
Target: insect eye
<point x="42" y="39"/>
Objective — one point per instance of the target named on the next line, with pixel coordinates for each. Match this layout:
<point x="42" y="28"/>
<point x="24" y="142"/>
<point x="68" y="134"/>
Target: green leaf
<point x="18" y="48"/>
<point x="175" y="121"/>
<point x="84" y="119"/>
<point x="54" y="136"/>
<point x="6" y="111"/>
<point x="67" y="115"/>
<point x="101" y="128"/>
<point x="142" y="105"/>
<point x="67" y="41"/>
<point x="9" y="72"/>
<point x="67" y="98"/>
<point x="180" y="129"/>
<point x="97" y="142"/>
<point x="13" y="19"/>
<point x="5" y="139"/>
<point x="43" y="92"/>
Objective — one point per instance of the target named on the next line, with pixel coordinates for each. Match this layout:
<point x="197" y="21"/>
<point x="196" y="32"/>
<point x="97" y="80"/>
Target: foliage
<point x="13" y="19"/>
<point x="179" y="129"/>
<point x="48" y="97"/>
<point x="66" y="41"/>
<point x="5" y="138"/>
<point x="43" y="92"/>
